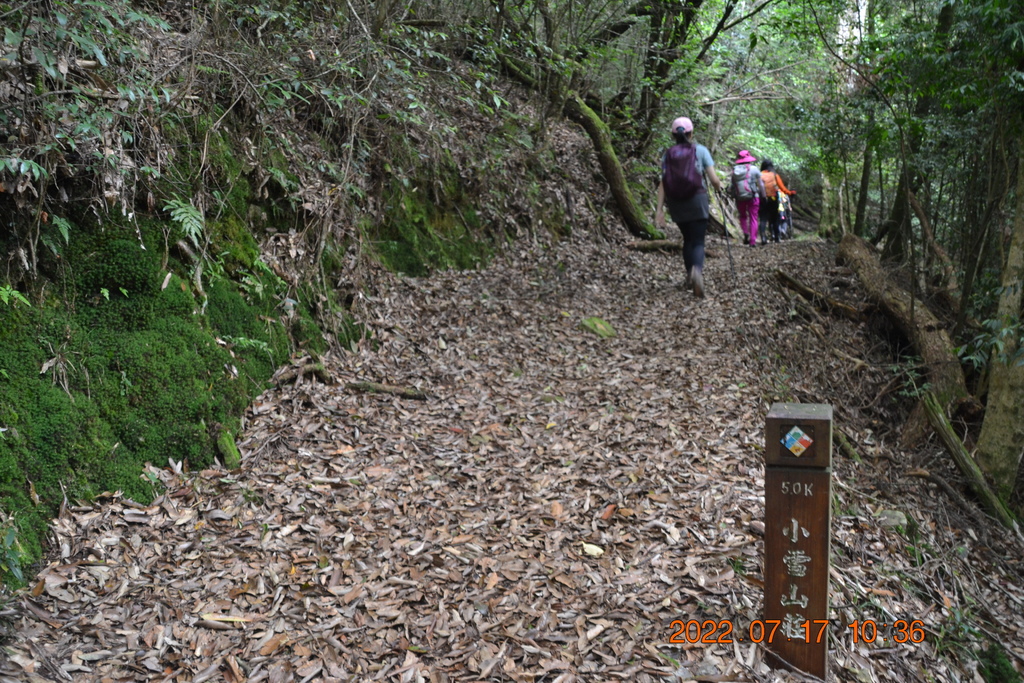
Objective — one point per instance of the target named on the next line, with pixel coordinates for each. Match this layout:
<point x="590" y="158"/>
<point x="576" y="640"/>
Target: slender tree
<point x="1002" y="434"/>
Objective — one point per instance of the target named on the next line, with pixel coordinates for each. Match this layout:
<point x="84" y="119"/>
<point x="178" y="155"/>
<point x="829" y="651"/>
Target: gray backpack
<point x="743" y="188"/>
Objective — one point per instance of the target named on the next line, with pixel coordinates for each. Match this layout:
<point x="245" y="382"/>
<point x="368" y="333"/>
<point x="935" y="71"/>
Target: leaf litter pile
<point x="550" y="506"/>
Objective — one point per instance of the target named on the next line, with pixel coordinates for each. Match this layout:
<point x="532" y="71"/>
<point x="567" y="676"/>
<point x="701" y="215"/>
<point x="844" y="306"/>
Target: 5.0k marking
<point x="796" y="488"/>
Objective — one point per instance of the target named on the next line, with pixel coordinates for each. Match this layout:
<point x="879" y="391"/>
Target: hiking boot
<point x="689" y="278"/>
<point x="698" y="282"/>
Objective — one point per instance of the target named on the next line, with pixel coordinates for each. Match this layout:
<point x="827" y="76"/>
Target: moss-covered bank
<point x="121" y="362"/>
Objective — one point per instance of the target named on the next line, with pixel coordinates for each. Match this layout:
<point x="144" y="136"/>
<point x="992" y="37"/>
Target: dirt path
<point x="549" y="510"/>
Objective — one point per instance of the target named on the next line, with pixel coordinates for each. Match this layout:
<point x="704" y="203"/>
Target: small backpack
<point x="680" y="178"/>
<point x="742" y="188"/>
<point x="771" y="187"/>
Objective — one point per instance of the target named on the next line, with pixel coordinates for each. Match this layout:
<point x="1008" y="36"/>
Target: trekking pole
<point x="725" y="229"/>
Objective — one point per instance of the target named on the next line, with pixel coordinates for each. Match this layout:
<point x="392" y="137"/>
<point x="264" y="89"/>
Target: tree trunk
<point x="949" y="287"/>
<point x="830" y="208"/>
<point x="577" y="110"/>
<point x="924" y="331"/>
<point x="1002" y="432"/>
<point x="859" y="228"/>
<point x="896" y="230"/>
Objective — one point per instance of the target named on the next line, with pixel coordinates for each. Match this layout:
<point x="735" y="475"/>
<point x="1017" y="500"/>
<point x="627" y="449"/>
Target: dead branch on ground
<point x="377" y="388"/>
<point x="822" y="301"/>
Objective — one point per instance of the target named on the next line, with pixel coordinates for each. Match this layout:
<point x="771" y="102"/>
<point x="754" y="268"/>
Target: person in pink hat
<point x="747" y="188"/>
<point x="684" y="168"/>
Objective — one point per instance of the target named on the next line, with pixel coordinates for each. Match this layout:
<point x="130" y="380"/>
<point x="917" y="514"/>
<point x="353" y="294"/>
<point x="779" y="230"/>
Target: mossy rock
<point x="598" y="326"/>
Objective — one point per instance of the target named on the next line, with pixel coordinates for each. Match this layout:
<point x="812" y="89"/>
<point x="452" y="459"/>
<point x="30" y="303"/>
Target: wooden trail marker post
<point x="797" y="501"/>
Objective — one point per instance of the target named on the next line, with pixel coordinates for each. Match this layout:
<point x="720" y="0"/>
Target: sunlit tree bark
<point x="1002" y="433"/>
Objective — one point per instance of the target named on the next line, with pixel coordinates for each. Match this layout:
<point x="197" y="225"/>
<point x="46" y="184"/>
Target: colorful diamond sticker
<point x="797" y="441"/>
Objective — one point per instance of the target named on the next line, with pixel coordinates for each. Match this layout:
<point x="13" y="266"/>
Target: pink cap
<point x="745" y="157"/>
<point x="684" y="123"/>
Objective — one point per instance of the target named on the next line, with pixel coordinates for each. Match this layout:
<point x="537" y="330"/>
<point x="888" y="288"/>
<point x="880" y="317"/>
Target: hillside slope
<point x="206" y="197"/>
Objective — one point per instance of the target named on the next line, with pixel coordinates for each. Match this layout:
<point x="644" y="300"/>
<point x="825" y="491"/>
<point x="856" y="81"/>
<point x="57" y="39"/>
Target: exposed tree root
<point x="315" y="369"/>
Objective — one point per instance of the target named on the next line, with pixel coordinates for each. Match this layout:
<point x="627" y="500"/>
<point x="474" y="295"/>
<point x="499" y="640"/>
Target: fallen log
<point x="655" y="245"/>
<point x="820" y="300"/>
<point x="921" y="327"/>
<point x="841" y="440"/>
<point x="377" y="388"/>
<point x="965" y="463"/>
<point x="667" y="247"/>
<point x="807" y="213"/>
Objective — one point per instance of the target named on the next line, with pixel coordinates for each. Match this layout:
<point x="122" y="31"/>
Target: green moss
<point x="119" y="266"/>
<point x="308" y="335"/>
<point x="233" y="243"/>
<point x="162" y="386"/>
<point x="420" y="235"/>
<point x="134" y="372"/>
<point x="996" y="666"/>
<point x="259" y="341"/>
<point x="228" y="450"/>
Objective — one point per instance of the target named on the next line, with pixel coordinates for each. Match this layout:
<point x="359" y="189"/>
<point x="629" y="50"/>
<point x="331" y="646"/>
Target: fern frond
<point x="188" y="217"/>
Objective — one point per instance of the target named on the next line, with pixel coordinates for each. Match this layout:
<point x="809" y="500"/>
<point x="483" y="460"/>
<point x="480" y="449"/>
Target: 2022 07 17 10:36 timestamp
<point x="769" y="631"/>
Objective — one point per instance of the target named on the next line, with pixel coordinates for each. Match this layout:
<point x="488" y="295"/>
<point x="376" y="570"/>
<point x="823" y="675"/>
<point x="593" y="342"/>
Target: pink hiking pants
<point x="748" y="218"/>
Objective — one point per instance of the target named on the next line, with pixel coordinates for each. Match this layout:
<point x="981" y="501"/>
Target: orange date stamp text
<point x="771" y="631"/>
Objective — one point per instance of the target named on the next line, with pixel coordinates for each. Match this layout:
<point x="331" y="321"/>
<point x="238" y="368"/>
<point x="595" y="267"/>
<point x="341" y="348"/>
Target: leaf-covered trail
<point x="549" y="510"/>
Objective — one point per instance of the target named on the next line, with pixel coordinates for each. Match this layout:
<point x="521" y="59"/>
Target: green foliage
<point x="12" y="297"/>
<point x="188" y="217"/>
<point x="261" y="282"/>
<point x="912" y="381"/>
<point x="54" y="37"/>
<point x="12" y="555"/>
<point x="598" y="326"/>
<point x="957" y="632"/>
<point x="999" y="340"/>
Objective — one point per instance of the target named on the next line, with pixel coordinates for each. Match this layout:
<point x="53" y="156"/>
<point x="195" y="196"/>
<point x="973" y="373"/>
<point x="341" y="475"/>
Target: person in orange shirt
<point x="769" y="209"/>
